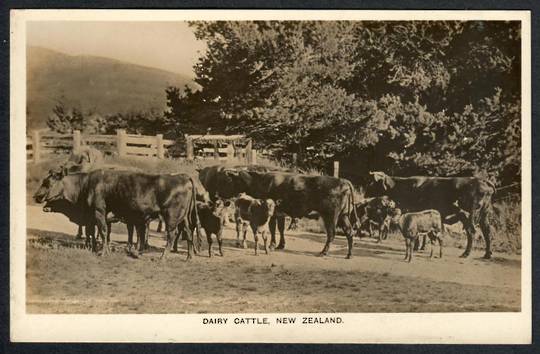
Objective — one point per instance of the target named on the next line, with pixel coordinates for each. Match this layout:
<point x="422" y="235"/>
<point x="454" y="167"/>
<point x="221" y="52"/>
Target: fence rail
<point x="45" y="145"/>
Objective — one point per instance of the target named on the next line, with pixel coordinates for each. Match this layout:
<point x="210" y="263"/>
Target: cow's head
<point x="270" y="206"/>
<point x="395" y="215"/>
<point x="379" y="183"/>
<point x="51" y="187"/>
<point x="58" y="190"/>
<point x="225" y="183"/>
<point x="386" y="204"/>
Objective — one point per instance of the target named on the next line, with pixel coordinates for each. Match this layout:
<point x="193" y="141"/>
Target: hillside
<point x="92" y="83"/>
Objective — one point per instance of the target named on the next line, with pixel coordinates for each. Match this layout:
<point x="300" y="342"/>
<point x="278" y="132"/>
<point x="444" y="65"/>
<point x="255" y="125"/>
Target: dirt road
<point x="63" y="279"/>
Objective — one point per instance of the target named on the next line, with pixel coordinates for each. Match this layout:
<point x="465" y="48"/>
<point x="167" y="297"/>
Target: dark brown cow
<point x="210" y="215"/>
<point x="375" y="210"/>
<point x="136" y="198"/>
<point x="465" y="199"/>
<point x="299" y="195"/>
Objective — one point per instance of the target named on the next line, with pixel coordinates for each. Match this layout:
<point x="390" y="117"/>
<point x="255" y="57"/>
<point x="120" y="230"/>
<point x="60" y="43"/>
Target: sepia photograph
<point x="282" y="172"/>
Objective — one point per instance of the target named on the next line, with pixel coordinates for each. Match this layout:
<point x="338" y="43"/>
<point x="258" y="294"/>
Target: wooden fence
<point x="43" y="145"/>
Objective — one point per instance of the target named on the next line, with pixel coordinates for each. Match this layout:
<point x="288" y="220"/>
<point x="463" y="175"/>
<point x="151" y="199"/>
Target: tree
<point x="430" y="97"/>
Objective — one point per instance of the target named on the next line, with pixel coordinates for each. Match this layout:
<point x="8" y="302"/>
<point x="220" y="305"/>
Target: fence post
<point x="160" y="153"/>
<point x="76" y="141"/>
<point x="249" y="152"/>
<point x="121" y="142"/>
<point x="216" y="150"/>
<point x="336" y="168"/>
<point x="189" y="148"/>
<point x="294" y="159"/>
<point x="254" y="157"/>
<point x="230" y="152"/>
<point x="36" y="146"/>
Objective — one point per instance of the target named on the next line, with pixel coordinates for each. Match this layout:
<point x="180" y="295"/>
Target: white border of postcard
<point x="494" y="328"/>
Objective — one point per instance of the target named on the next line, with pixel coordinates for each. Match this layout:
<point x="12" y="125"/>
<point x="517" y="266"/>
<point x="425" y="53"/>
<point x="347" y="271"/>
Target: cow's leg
<point x="256" y="238"/>
<point x="272" y="226"/>
<point x="407" y="241"/>
<point x="345" y="223"/>
<point x="79" y="232"/>
<point x="101" y="222"/>
<point x="171" y="238"/>
<point x="370" y="226"/>
<point x="385" y="229"/>
<point x="90" y="232"/>
<point x="440" y="244"/>
<point x="109" y="228"/>
<point x="130" y="235"/>
<point x="265" y="240"/>
<point x="294" y="224"/>
<point x="417" y="243"/>
<point x="220" y="240"/>
<point x="239" y="225"/>
<point x="281" y="229"/>
<point x="141" y="229"/>
<point x="431" y="243"/>
<point x="470" y="231"/>
<point x="189" y="236"/>
<point x="197" y="242"/>
<point x="330" y="226"/>
<point x="411" y="249"/>
<point x="146" y="235"/>
<point x="209" y="241"/>
<point x="226" y="216"/>
<point x="486" y="230"/>
<point x="177" y="237"/>
<point x="380" y="236"/>
<point x="244" y="235"/>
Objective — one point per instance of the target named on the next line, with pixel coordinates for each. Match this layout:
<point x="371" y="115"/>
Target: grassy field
<point x="62" y="278"/>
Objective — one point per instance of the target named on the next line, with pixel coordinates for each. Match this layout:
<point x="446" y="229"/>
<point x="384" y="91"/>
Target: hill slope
<point x="92" y="83"/>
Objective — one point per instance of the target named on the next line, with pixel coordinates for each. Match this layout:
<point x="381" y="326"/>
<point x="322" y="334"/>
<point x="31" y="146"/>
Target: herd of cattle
<point x="93" y="196"/>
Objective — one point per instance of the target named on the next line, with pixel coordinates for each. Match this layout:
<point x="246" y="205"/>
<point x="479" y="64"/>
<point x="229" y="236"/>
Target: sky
<point x="164" y="45"/>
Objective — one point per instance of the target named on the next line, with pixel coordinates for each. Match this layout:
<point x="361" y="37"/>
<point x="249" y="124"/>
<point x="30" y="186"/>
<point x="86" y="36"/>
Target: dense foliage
<point x="439" y="98"/>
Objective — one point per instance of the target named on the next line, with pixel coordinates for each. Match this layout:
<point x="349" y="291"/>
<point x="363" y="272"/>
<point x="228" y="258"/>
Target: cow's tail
<point x="352" y="204"/>
<point x="194" y="209"/>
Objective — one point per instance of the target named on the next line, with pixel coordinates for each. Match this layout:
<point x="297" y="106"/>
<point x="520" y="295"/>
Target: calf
<point x="412" y="225"/>
<point x="375" y="211"/>
<point x="256" y="213"/>
<point x="211" y="216"/>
